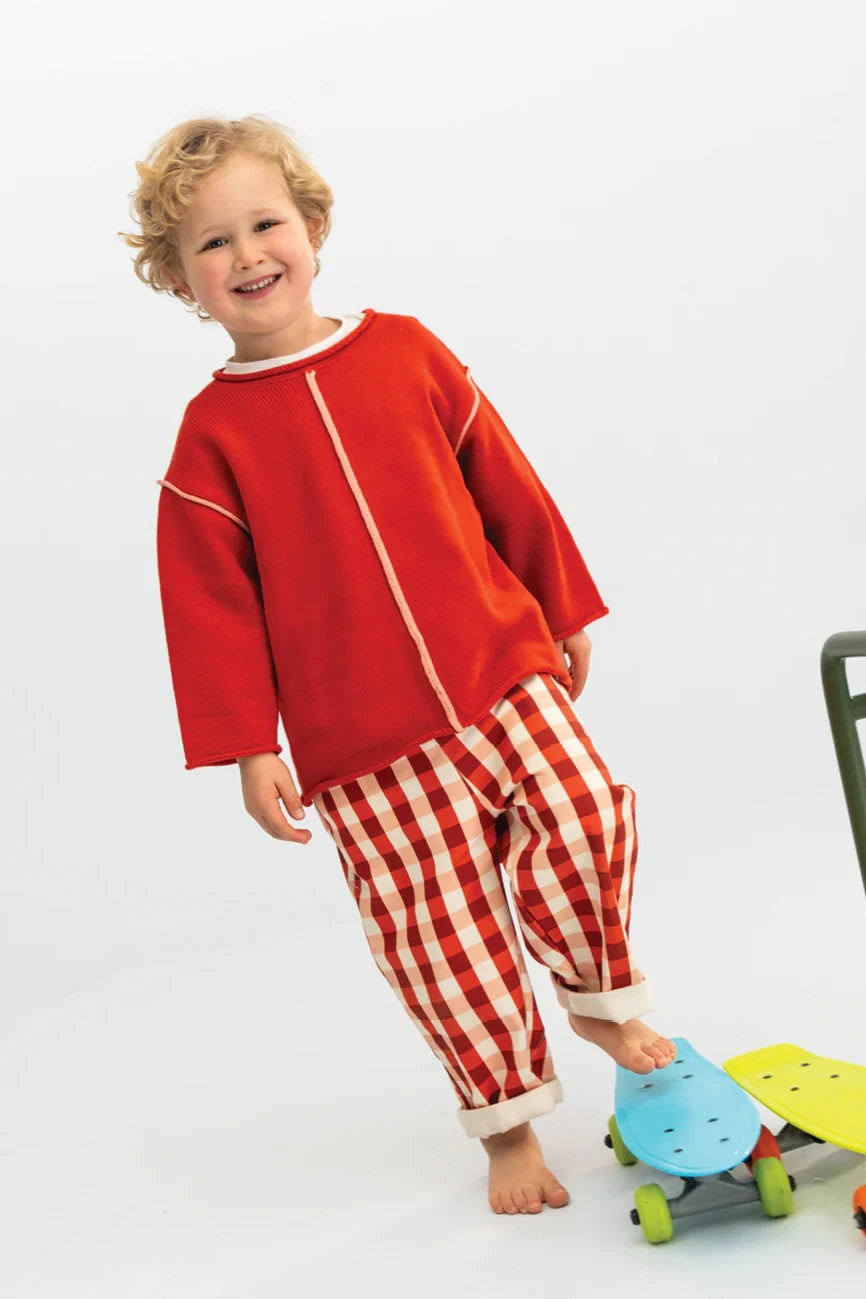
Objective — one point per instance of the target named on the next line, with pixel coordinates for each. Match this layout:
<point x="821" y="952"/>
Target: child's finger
<point x="272" y="819"/>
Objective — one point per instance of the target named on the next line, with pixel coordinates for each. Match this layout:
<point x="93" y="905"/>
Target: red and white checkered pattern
<point x="421" y="843"/>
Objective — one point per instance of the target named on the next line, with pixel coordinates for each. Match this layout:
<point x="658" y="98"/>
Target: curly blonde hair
<point x="182" y="160"/>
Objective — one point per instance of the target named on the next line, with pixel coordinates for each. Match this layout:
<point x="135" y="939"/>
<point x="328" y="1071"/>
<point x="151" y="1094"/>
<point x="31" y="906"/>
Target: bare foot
<point x="519" y="1179"/>
<point x="632" y="1044"/>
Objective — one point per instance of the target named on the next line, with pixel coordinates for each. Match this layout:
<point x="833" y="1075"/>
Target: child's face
<point x="224" y="241"/>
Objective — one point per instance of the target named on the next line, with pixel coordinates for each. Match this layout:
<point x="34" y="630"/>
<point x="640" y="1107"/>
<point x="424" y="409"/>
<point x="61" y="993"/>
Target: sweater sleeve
<point x="521" y="519"/>
<point x="219" y="654"/>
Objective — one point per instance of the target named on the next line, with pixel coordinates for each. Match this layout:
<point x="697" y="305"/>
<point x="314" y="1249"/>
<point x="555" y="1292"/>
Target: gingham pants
<point x="421" y="843"/>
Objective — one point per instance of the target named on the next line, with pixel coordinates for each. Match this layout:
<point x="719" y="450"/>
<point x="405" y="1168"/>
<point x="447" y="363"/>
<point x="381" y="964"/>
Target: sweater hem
<point x="558" y="671"/>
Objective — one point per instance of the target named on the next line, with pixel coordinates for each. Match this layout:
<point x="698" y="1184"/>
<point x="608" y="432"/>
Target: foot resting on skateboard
<point x="633" y="1044"/>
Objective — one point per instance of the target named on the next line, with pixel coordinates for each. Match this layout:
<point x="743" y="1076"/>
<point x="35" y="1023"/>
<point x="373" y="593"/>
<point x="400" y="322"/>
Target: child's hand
<point x="578" y="647"/>
<point x="265" y="778"/>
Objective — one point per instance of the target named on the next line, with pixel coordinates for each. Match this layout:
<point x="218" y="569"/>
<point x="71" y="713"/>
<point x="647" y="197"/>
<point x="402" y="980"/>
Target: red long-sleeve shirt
<point x="354" y="541"/>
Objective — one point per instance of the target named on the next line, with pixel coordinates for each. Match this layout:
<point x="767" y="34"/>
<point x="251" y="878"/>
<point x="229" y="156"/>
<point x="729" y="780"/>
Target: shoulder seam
<point x="200" y="500"/>
<point x="465" y="428"/>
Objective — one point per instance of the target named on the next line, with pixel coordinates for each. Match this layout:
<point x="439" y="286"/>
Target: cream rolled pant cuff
<point x="491" y="1119"/>
<point x="617" y="1006"/>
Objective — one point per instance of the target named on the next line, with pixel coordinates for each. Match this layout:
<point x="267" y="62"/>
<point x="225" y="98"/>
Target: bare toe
<point x="640" y="1062"/>
<point x="665" y="1051"/>
<point x="555" y="1194"/>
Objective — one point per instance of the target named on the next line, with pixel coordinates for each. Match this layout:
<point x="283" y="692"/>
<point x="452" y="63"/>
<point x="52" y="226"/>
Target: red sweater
<point x="354" y="541"/>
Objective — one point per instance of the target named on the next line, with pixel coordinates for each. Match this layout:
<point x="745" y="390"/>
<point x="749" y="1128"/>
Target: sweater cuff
<point x="223" y="759"/>
<point x="572" y="628"/>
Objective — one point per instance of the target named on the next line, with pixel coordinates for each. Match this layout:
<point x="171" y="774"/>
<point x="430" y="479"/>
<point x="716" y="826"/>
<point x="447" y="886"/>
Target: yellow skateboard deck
<point x="826" y="1098"/>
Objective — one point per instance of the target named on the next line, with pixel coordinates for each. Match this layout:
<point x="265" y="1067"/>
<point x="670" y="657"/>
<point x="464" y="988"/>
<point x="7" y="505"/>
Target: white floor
<point x="253" y="1117"/>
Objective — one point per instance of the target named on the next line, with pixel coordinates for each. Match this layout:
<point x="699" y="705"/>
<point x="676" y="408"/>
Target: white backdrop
<point x="641" y="225"/>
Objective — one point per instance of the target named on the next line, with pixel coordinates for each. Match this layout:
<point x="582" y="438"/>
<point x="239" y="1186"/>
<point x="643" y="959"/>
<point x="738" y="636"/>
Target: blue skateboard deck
<point x="689" y="1119"/>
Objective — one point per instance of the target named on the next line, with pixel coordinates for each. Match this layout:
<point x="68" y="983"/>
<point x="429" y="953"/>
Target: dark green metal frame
<point x="845" y="710"/>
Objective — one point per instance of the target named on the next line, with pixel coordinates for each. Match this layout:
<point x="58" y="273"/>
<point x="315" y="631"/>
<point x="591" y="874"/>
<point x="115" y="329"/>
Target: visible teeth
<point x="248" y="288"/>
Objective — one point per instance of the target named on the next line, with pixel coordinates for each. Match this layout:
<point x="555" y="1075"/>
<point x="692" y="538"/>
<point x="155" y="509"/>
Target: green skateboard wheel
<point x="774" y="1187"/>
<point x="620" y="1149"/>
<point x="654" y="1214"/>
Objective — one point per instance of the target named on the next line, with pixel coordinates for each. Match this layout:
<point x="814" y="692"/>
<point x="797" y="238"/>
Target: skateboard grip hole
<point x="795" y="1089"/>
<point x="679" y="1150"/>
<point x="724" y="1139"/>
<point x="668" y="1129"/>
<point x="712" y="1120"/>
<point x="834" y="1075"/>
<point x="688" y="1075"/>
<point x="644" y="1086"/>
<point x="766" y="1075"/>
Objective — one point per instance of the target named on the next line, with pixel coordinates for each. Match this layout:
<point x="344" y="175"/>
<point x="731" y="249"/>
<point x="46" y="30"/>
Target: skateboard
<point x="690" y="1119"/>
<point x="819" y="1099"/>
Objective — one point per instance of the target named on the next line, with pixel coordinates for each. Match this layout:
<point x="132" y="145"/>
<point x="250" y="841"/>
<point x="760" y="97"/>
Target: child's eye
<point x="216" y="241"/>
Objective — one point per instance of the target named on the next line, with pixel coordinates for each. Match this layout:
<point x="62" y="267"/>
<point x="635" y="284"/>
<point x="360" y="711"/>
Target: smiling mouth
<point x="255" y="293"/>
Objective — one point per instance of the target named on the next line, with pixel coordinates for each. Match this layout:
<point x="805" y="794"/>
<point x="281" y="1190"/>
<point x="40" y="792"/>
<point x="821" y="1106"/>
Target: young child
<point x="349" y="538"/>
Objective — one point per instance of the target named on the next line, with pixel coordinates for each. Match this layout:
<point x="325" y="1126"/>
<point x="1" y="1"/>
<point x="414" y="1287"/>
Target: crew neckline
<point x="351" y="327"/>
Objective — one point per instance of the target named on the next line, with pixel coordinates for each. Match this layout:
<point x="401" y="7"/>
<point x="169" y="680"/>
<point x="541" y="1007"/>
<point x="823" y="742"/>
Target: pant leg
<point x="419" y="853"/>
<point x="568" y="844"/>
